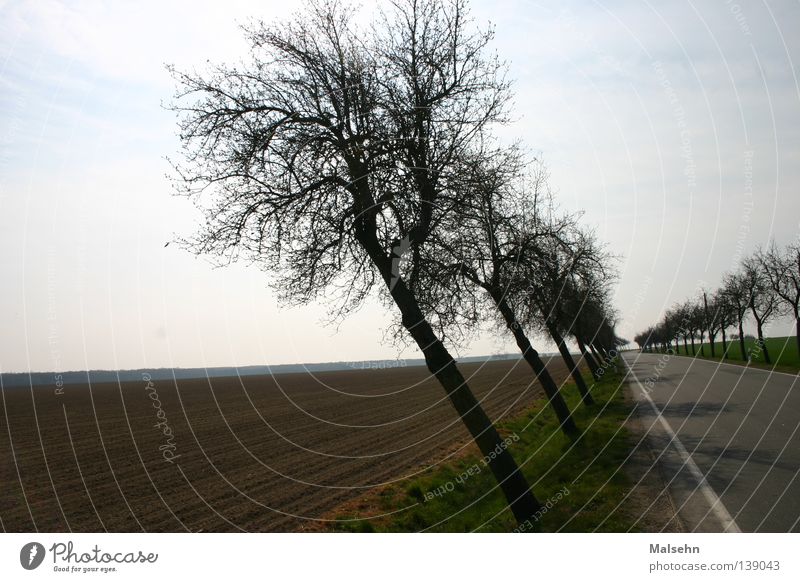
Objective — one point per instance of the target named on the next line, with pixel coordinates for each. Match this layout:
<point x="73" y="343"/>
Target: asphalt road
<point x="740" y="427"/>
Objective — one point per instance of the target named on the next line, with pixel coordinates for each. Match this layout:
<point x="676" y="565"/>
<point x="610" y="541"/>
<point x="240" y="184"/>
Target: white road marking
<point x="718" y="363"/>
<point x="717" y="507"/>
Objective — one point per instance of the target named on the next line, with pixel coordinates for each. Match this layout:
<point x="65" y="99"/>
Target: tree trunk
<point x="711" y="339"/>
<point x="597" y="355"/>
<point x="590" y="361"/>
<point x="761" y="343"/>
<point x="724" y="344"/>
<point x="531" y="356"/>
<point x="685" y="346"/>
<point x="702" y="351"/>
<point x="741" y="342"/>
<point x="518" y="494"/>
<point x="572" y="366"/>
<point x="797" y="332"/>
<point x="692" y="336"/>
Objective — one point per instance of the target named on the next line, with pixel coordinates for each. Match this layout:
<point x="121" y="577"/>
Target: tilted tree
<point x="550" y="271"/>
<point x="588" y="305"/>
<point x="329" y="154"/>
<point x="479" y="251"/>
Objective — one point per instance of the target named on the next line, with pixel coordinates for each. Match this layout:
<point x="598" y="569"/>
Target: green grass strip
<point x="582" y="484"/>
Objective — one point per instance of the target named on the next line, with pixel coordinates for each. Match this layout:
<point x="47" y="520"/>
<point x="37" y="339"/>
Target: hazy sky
<point x="675" y="128"/>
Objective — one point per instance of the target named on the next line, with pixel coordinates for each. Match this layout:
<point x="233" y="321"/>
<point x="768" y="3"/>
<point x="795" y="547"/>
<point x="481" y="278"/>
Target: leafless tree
<point x="329" y="156"/>
<point x="549" y="270"/>
<point x="588" y="306"/>
<point x="782" y="269"/>
<point x="714" y="318"/>
<point x="696" y="323"/>
<point x="737" y="297"/>
<point x="762" y="298"/>
<point x="725" y="317"/>
<point x="480" y="251"/>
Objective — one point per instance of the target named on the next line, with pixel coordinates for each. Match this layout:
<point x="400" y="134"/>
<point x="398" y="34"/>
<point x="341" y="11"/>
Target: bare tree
<point x="588" y="309"/>
<point x="544" y="277"/>
<point x="725" y="317"/>
<point x="737" y="297"/>
<point x="714" y="319"/>
<point x="329" y="155"/>
<point x="762" y="299"/>
<point x="782" y="268"/>
<point x="678" y="321"/>
<point x="481" y="252"/>
<point x="696" y="323"/>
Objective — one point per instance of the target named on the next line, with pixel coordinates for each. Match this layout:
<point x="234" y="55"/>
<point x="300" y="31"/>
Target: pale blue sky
<point x="647" y="114"/>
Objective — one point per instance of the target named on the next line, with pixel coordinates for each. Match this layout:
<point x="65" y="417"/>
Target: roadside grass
<point x="584" y="482"/>
<point x="782" y="352"/>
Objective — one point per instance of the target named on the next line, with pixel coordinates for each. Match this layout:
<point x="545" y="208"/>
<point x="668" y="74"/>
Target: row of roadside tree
<point x="349" y="160"/>
<point x="765" y="287"/>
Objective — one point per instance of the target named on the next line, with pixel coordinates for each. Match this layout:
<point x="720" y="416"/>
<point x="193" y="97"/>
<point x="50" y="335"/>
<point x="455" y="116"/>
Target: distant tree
<point x="695" y="321"/>
<point x="737" y="297"/>
<point x="725" y="317"/>
<point x="328" y="156"/>
<point x="670" y="328"/>
<point x="714" y="318"/>
<point x="681" y="315"/>
<point x="782" y="268"/>
<point x="642" y="339"/>
<point x="763" y="301"/>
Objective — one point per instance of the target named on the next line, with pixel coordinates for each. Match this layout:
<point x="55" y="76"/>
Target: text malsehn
<point x="66" y="553"/>
<point x="670" y="549"/>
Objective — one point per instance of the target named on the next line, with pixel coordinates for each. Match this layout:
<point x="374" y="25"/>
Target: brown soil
<point x="258" y="453"/>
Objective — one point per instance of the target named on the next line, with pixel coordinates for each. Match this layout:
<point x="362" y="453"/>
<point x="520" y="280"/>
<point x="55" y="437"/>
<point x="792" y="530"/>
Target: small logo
<point x="31" y="555"/>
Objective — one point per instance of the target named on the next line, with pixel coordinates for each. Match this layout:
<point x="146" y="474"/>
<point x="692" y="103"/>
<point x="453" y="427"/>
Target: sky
<point x="675" y="129"/>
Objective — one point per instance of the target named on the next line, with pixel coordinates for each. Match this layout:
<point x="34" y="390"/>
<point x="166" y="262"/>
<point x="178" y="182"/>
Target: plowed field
<point x="258" y="453"/>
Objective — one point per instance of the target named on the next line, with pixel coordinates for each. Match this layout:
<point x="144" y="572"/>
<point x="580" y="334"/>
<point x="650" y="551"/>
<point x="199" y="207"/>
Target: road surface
<point x="727" y="442"/>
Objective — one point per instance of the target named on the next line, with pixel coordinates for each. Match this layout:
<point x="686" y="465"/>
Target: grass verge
<point x="782" y="350"/>
<point x="582" y="483"/>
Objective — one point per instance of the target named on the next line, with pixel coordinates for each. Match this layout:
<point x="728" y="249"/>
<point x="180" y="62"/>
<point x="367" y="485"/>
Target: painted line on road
<point x="718" y="363"/>
<point x="717" y="507"/>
